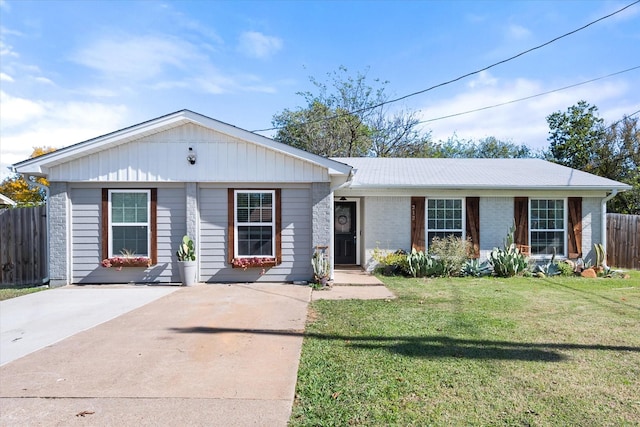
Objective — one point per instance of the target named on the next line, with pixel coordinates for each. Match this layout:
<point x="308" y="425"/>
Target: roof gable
<point x="150" y="130"/>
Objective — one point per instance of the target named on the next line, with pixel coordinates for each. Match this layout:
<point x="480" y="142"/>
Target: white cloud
<point x="34" y="123"/>
<point x="521" y="122"/>
<point x="136" y="57"/>
<point x="518" y="32"/>
<point x="6" y="78"/>
<point x="258" y="45"/>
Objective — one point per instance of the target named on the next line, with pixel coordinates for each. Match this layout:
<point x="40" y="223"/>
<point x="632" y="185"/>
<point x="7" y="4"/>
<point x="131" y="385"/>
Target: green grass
<point x="16" y="291"/>
<point x="520" y="351"/>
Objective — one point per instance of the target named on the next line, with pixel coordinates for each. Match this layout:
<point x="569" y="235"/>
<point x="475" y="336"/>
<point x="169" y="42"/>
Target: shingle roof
<point x="471" y="173"/>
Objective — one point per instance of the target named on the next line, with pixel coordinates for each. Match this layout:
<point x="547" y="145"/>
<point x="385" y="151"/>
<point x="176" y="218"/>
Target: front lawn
<point x="518" y="351"/>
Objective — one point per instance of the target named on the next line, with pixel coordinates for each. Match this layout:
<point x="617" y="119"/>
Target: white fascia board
<point x="619" y="188"/>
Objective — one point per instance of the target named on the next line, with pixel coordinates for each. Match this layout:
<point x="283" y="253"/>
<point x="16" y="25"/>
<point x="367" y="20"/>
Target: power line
<point x="465" y="75"/>
<point x="528" y="97"/>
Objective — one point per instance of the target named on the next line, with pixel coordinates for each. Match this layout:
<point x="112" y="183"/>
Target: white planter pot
<point x="188" y="271"/>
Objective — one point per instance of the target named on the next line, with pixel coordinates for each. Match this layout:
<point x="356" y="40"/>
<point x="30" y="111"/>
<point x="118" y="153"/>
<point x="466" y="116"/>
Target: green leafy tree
<point x="574" y="136"/>
<point x="581" y="140"/>
<point x="20" y="191"/>
<point x="489" y="148"/>
<point x="347" y="117"/>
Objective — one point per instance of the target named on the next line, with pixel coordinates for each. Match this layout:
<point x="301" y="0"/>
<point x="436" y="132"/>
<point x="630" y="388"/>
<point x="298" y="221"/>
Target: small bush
<point x="475" y="268"/>
<point x="424" y="265"/>
<point x="391" y="263"/>
<point x="566" y="269"/>
<point x="452" y="253"/>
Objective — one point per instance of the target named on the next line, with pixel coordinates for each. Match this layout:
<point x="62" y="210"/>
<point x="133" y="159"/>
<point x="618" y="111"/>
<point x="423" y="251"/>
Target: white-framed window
<point x="445" y="217"/>
<point x="129" y="222"/>
<point x="548" y="226"/>
<point x="255" y="223"/>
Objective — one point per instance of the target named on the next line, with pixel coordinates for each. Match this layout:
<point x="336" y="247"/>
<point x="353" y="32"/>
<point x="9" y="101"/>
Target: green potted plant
<point x="321" y="268"/>
<point x="187" y="265"/>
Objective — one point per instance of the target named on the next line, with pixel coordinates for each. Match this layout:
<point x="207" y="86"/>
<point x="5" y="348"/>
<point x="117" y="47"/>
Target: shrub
<point x="452" y="253"/>
<point x="391" y="263"/>
<point x="424" y="265"/>
<point x="475" y="268"/>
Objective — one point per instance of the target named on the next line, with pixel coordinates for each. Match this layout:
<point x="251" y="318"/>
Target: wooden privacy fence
<point x="623" y="241"/>
<point x="23" y="246"/>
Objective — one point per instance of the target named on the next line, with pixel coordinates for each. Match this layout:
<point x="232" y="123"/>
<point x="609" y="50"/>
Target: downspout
<point x="603" y="220"/>
<point x="47" y="193"/>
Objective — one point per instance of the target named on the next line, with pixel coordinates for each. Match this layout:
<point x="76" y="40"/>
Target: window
<point x="129" y="222"/>
<point x="548" y="229"/>
<point x="255" y="223"/>
<point x="444" y="218"/>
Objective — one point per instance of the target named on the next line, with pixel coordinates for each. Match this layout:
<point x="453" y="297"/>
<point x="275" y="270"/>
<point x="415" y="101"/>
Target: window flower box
<point x="122" y="261"/>
<point x="254" y="262"/>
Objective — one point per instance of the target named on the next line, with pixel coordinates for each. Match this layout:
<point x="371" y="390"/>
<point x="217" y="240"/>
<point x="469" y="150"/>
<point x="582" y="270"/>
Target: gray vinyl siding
<point x="296" y="239"/>
<point x="86" y="247"/>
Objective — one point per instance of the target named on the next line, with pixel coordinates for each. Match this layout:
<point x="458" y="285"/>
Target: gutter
<point x="603" y="219"/>
<point x="47" y="194"/>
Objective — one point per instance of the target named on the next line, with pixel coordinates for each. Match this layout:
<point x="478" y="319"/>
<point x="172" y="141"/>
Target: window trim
<point x="232" y="230"/>
<point x="153" y="221"/>
<point x="463" y="218"/>
<point x="565" y="222"/>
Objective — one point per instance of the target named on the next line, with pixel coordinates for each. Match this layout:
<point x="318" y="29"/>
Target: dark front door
<point x="345" y="232"/>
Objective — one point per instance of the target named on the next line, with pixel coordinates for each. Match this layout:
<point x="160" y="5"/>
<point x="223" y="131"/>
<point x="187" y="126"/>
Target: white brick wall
<point x="387" y="225"/>
<point x="591" y="226"/>
<point x="321" y="213"/>
<point x="58" y="255"/>
<point x="496" y="217"/>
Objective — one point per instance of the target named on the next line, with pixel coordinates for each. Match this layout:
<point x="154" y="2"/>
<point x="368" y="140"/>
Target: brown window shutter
<point x="521" y="217"/>
<point x="473" y="224"/>
<point x="105" y="223"/>
<point x="417" y="223"/>
<point x="154" y="226"/>
<point x="278" y="226"/>
<point x="231" y="223"/>
<point x="575" y="228"/>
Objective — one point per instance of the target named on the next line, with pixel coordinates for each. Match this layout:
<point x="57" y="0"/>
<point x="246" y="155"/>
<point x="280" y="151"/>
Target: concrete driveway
<point x="205" y="355"/>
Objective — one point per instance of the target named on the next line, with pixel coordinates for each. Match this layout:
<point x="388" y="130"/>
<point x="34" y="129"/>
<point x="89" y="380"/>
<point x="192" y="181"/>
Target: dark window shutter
<point x="473" y="224"/>
<point x="521" y="217"/>
<point x="230" y="223"/>
<point x="575" y="227"/>
<point x="278" y="226"/>
<point x="417" y="223"/>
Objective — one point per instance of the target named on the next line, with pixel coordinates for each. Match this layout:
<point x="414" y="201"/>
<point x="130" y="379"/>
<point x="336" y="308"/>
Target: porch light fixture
<point x="191" y="158"/>
<point x="343" y="199"/>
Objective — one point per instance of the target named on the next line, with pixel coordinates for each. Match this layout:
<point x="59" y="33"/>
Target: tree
<point x="20" y="191"/>
<point x="347" y="118"/>
<point x="486" y="148"/>
<point x="581" y="140"/>
<point x="574" y="136"/>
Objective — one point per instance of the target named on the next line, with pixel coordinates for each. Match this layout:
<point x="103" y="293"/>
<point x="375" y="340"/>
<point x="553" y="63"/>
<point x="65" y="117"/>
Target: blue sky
<point x="73" y="70"/>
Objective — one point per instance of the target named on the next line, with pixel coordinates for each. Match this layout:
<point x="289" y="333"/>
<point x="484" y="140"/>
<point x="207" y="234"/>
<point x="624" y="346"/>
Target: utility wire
<point x="465" y="75"/>
<point x="528" y="97"/>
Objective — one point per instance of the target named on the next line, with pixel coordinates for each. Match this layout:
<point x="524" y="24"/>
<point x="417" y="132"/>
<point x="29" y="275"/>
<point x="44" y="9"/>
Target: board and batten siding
<point x="162" y="157"/>
<point x="86" y="242"/>
<point x="296" y="239"/>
